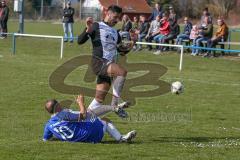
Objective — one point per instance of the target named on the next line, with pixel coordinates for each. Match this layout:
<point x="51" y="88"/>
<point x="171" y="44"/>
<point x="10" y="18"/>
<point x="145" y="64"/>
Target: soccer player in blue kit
<point x="82" y="126"/>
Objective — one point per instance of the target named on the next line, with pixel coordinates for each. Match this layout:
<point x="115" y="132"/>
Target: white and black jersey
<point x="104" y="40"/>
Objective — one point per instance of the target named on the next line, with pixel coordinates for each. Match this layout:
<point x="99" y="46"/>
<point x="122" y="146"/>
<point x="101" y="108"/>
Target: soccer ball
<point x="177" y="87"/>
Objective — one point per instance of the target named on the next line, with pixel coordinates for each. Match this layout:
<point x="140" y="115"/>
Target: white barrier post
<point x="181" y="59"/>
<point x="167" y="45"/>
<point x="62" y="42"/>
<point x="13" y="44"/>
<point x="44" y="36"/>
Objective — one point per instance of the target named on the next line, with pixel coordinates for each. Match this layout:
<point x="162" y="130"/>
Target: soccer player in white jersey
<point x="105" y="40"/>
<point x="83" y="125"/>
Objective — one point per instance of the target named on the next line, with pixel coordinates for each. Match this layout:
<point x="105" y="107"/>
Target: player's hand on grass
<point x="89" y="23"/>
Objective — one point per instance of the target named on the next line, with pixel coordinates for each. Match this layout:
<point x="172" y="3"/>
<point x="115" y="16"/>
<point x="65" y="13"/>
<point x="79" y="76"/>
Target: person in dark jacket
<point x="206" y="14"/>
<point x="157" y="11"/>
<point x="186" y="31"/>
<point x="68" y="13"/>
<point x="126" y="27"/>
<point x="172" y="13"/>
<point x="4" y="18"/>
<point x="143" y="31"/>
<point x="0" y="17"/>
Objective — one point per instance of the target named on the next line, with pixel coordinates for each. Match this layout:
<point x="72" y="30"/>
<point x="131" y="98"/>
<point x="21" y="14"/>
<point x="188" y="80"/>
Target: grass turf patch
<point x="210" y="104"/>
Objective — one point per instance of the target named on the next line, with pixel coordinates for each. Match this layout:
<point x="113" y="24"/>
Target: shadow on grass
<point x="191" y="139"/>
<point x="168" y="140"/>
<point x="115" y="142"/>
<point x="103" y="142"/>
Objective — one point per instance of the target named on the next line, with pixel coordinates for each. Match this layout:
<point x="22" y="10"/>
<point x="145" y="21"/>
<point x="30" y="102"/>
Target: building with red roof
<point x="130" y="7"/>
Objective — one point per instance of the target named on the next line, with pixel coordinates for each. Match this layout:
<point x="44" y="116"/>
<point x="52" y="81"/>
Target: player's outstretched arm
<point x="84" y="36"/>
<point x="82" y="109"/>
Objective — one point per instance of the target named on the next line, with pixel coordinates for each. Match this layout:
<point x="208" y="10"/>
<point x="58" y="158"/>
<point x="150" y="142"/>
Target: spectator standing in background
<point x="206" y="14"/>
<point x="68" y="13"/>
<point x="126" y="26"/>
<point x="4" y="18"/>
<point x="0" y="18"/>
<point x="157" y="11"/>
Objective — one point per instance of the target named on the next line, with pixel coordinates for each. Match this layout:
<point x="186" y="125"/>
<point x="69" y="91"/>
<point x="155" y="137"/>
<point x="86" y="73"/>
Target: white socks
<point x="94" y="104"/>
<point x="117" y="89"/>
<point x="98" y="109"/>
<point x="113" y="132"/>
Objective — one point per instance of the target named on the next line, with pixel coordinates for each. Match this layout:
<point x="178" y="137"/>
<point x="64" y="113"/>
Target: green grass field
<point x="200" y="124"/>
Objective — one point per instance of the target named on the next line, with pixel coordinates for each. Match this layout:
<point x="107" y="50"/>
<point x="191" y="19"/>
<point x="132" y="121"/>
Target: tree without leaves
<point x="37" y="3"/>
<point x="225" y="6"/>
<point x="165" y="4"/>
<point x="193" y="8"/>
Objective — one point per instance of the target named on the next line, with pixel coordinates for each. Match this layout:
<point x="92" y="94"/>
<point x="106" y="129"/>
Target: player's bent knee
<point x="99" y="98"/>
<point x="123" y="73"/>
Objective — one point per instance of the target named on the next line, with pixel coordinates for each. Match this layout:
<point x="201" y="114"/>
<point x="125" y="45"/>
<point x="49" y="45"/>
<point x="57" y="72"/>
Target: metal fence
<point x="91" y="12"/>
<point x="50" y="13"/>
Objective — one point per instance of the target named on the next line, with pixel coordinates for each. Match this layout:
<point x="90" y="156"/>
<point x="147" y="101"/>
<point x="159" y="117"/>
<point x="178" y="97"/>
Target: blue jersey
<point x="73" y="131"/>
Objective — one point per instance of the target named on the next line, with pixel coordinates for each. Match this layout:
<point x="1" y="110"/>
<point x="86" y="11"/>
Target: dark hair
<point x="136" y="18"/>
<point x="115" y="9"/>
<point x="52" y="107"/>
<point x="172" y="21"/>
<point x="205" y="9"/>
<point x="165" y="14"/>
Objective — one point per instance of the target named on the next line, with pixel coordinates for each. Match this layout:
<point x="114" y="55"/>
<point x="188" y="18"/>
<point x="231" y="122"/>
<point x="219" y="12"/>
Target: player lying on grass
<point x="81" y="126"/>
<point x="106" y="42"/>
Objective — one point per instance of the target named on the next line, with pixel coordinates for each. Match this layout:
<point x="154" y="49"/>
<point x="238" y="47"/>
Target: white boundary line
<point x="62" y="42"/>
<point x="44" y="36"/>
<point x="168" y="45"/>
